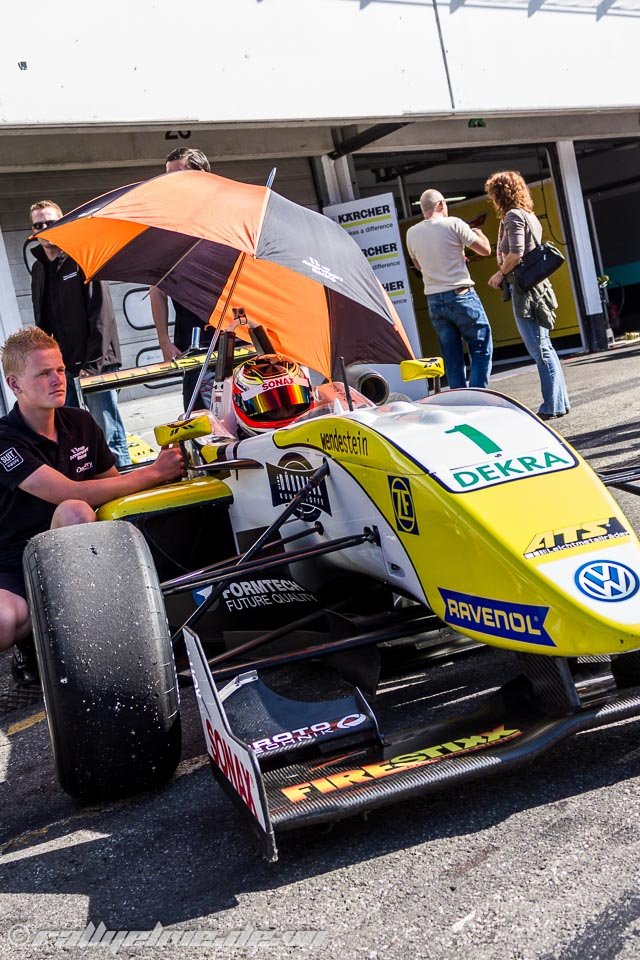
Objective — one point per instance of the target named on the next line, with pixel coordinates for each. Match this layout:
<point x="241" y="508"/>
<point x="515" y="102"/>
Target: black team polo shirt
<point x="81" y="453"/>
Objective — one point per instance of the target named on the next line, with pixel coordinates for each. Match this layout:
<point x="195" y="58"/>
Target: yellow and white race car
<point x="371" y="603"/>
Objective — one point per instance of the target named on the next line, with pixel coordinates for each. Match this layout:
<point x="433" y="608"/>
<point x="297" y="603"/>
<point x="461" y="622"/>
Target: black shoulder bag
<point x="537" y="264"/>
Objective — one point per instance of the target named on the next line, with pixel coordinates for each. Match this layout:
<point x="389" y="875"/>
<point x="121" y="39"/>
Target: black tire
<point x="105" y="657"/>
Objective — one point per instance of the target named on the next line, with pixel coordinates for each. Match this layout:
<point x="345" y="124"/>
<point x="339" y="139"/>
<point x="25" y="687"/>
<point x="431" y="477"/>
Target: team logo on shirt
<point x="81" y="453"/>
<point x="78" y="453"/>
<point x="10" y="459"/>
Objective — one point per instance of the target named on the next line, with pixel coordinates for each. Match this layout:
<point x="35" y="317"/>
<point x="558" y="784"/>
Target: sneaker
<point x="552" y="416"/>
<point x="24" y="665"/>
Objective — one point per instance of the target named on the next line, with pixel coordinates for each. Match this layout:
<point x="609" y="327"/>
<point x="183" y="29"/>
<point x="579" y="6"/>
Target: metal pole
<point x="216" y="334"/>
<point x="214" y="341"/>
<point x="583" y="251"/>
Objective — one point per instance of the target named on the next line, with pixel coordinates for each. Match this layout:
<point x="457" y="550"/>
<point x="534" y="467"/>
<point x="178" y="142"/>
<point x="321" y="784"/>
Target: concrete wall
<point x="307" y="60"/>
<point x="71" y="187"/>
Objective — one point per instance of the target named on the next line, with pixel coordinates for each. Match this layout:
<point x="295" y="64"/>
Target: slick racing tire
<point x="105" y="659"/>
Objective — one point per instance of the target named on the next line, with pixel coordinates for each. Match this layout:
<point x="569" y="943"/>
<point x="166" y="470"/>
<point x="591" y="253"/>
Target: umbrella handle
<point x="214" y="340"/>
<point x="216" y="333"/>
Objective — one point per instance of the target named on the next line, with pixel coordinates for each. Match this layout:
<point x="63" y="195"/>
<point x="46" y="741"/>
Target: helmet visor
<point x="280" y="403"/>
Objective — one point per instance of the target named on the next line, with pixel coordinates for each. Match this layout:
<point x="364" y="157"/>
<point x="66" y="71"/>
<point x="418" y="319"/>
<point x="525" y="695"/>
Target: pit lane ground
<point x="537" y="864"/>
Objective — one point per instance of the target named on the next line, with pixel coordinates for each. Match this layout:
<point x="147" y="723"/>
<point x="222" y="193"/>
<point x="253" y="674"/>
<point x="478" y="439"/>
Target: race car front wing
<point x="290" y="763"/>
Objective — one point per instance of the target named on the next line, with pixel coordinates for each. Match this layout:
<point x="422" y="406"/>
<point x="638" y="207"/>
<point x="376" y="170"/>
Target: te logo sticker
<point x="403" y="508"/>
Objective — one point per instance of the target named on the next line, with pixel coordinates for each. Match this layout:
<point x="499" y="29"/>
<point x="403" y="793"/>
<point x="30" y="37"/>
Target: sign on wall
<point x="373" y="224"/>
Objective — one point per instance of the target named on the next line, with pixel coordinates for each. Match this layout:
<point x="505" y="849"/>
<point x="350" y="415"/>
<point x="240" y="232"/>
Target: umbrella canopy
<point x="213" y="243"/>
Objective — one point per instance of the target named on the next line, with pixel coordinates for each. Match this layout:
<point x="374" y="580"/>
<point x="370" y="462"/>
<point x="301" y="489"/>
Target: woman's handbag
<point x="537" y="264"/>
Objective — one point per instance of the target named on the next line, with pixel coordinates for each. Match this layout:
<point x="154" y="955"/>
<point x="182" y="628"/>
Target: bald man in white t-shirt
<point x="436" y="246"/>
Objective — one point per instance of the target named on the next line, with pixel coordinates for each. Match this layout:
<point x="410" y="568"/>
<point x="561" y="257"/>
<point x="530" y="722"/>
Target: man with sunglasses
<point x="80" y="316"/>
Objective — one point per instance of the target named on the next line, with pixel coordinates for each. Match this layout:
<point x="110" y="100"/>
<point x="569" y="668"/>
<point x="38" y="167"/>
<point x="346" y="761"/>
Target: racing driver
<point x="55" y="469"/>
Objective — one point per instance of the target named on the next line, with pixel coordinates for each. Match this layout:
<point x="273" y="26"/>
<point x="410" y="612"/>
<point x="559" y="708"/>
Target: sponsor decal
<point x="243" y="594"/>
<point x="380" y="250"/>
<point x="340" y="441"/>
<point x="248" y="594"/>
<point x="10" y="459"/>
<point x="182" y="429"/>
<point x="278" y="382"/>
<point x="403" y="507"/>
<point x="553" y="541"/>
<point x="513" y="468"/>
<point x="371" y="772"/>
<point x="230" y="756"/>
<point x="523" y="622"/>
<point x="288" y="477"/>
<point x="607" y="581"/>
<point x="325" y="272"/>
<point x="78" y="453"/>
<point x="307" y="734"/>
<point x="365" y="213"/>
<point x="231" y="764"/>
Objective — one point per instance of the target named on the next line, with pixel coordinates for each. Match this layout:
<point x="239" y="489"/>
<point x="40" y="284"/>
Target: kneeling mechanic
<point x="55" y="469"/>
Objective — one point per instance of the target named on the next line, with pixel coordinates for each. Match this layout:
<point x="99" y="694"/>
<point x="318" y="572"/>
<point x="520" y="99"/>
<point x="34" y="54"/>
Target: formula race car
<point x="323" y="584"/>
<point x="371" y="601"/>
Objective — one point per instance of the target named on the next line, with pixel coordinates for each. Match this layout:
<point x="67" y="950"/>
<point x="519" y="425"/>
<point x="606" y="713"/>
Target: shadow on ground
<point x="192" y="854"/>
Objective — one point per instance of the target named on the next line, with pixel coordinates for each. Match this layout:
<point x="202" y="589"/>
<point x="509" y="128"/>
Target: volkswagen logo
<point x="607" y="581"/>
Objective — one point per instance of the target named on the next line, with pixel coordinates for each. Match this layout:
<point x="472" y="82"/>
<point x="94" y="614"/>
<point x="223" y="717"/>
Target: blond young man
<point x="80" y="316"/>
<point x="55" y="469"/>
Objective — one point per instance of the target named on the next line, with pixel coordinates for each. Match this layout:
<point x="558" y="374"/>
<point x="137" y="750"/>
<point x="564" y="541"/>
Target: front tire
<point x="105" y="659"/>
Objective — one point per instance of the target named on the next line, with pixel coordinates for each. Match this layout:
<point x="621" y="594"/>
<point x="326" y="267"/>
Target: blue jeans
<point x="103" y="407"/>
<point x="555" y="399"/>
<point x="457" y="318"/>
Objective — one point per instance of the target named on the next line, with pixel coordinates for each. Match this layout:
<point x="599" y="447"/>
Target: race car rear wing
<point x="164" y="370"/>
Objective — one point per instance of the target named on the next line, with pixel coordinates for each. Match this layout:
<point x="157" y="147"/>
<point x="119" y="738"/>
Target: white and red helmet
<point x="269" y="392"/>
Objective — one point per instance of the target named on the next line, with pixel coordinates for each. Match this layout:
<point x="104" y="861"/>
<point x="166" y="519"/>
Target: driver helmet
<point x="269" y="392"/>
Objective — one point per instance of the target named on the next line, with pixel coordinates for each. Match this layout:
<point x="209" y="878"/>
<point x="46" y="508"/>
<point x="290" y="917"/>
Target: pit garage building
<point x="350" y="100"/>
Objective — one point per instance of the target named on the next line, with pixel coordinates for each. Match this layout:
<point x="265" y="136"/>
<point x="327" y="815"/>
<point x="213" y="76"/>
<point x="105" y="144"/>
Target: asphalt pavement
<point x="539" y="864"/>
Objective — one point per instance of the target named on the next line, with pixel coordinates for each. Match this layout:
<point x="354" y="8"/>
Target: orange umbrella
<point x="213" y="244"/>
